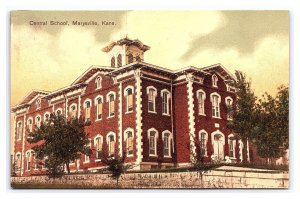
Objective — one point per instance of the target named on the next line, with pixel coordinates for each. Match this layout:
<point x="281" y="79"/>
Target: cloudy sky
<point x="50" y="57"/>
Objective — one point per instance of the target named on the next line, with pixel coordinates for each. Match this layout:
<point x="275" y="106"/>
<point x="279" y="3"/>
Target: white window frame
<point x="126" y="95"/>
<point x="59" y="109"/>
<point x="206" y="140"/>
<point x="95" y="144"/>
<point x="108" y="100"/>
<point x="233" y="145"/>
<point x="98" y="82"/>
<point x="28" y="160"/>
<point x="46" y="113"/>
<point x="38" y="103"/>
<point x="218" y="106"/>
<point x="96" y="105"/>
<point x="154" y="100"/>
<point x="71" y="112"/>
<point x="87" y="157"/>
<point x="84" y="106"/>
<point x="126" y="140"/>
<point x="108" y="143"/>
<point x="168" y="101"/>
<point x="170" y="141"/>
<point x="19" y="131"/>
<point x="229" y="115"/>
<point x="214" y="79"/>
<point x="18" y="164"/>
<point x="155" y="141"/>
<point x="36" y="122"/>
<point x="203" y="102"/>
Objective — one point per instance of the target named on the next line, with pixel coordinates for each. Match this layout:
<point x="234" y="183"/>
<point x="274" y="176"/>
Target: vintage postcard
<point x="149" y="99"/>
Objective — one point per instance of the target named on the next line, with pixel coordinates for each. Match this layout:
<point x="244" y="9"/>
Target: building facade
<point x="154" y="115"/>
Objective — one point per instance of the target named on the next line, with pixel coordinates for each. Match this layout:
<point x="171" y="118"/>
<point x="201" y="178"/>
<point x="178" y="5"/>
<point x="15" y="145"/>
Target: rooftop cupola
<point x="125" y="51"/>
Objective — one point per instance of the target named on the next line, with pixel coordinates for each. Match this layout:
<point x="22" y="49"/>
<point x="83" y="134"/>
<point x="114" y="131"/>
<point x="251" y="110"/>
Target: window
<point x="138" y="58"/>
<point x="113" y="62"/>
<point x="119" y="60"/>
<point x="46" y="117"/>
<point x="98" y="82"/>
<point x="152" y="135"/>
<point x="215" y="99"/>
<point x="19" y="130"/>
<point x="130" y="58"/>
<point x="111" y="104"/>
<point x="129" y="99"/>
<point x="165" y="94"/>
<point x="201" y="101"/>
<point x="99" y="108"/>
<point x="203" y="141"/>
<point x="87" y="157"/>
<point x="73" y="111"/>
<point x="214" y="80"/>
<point x="38" y="121"/>
<point x="231" y="143"/>
<point x="129" y="142"/>
<point x="58" y="111"/>
<point x="229" y="107"/>
<point x="38" y="103"/>
<point x="111" y="143"/>
<point x="29" y="125"/>
<point x="230" y="148"/>
<point x="166" y="143"/>
<point x="18" y="161"/>
<point x="87" y="110"/>
<point x="28" y="160"/>
<point x="152" y="92"/>
<point x="98" y="142"/>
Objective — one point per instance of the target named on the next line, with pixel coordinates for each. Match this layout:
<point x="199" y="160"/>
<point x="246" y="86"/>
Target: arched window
<point x="99" y="104"/>
<point x="111" y="140"/>
<point x="203" y="142"/>
<point x="38" y="121"/>
<point x="119" y="60"/>
<point x="58" y="111"/>
<point x="19" y="131"/>
<point x="98" y="143"/>
<point x="152" y="136"/>
<point x="87" y="110"/>
<point x="229" y="107"/>
<point x="129" y="98"/>
<point x="130" y="58"/>
<point x="98" y="82"/>
<point x="38" y="103"/>
<point x="129" y="141"/>
<point x="167" y="139"/>
<point x="231" y="144"/>
<point x="138" y="58"/>
<point x="29" y="124"/>
<point x="152" y="93"/>
<point x="28" y="160"/>
<point x="201" y="101"/>
<point x="215" y="100"/>
<point x="214" y="80"/>
<point x="18" y="161"/>
<point x="111" y="103"/>
<point x="165" y="94"/>
<point x="46" y="117"/>
<point x="87" y="157"/>
<point x="73" y="111"/>
<point x="113" y="62"/>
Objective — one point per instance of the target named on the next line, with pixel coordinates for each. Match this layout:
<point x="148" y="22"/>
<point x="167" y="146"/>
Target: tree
<point x="245" y="116"/>
<point x="273" y="123"/>
<point x="61" y="141"/>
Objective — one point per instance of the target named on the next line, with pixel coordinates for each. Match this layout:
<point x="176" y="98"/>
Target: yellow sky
<point x="50" y="57"/>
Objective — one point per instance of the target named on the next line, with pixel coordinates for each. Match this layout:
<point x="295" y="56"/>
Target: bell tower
<point x="125" y="51"/>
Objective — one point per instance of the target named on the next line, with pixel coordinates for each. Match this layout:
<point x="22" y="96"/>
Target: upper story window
<point x="152" y="136"/>
<point x="203" y="142"/>
<point x="201" y="101"/>
<point x="229" y="107"/>
<point x="87" y="110"/>
<point x="215" y="100"/>
<point x="38" y="103"/>
<point x="98" y="82"/>
<point x="113" y="62"/>
<point x="152" y="93"/>
<point x="111" y="104"/>
<point x="167" y="144"/>
<point x="38" y="121"/>
<point x="129" y="98"/>
<point x="19" y="130"/>
<point x="129" y="142"/>
<point x="214" y="80"/>
<point x="138" y="58"/>
<point x="130" y="58"/>
<point x="73" y="111"/>
<point x="111" y="140"/>
<point x="165" y="94"/>
<point x="98" y="142"/>
<point x="29" y="124"/>
<point x="119" y="60"/>
<point x="99" y="104"/>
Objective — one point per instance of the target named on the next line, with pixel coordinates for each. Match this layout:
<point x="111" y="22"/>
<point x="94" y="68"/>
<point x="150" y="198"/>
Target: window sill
<point x="71" y="164"/>
<point x="202" y="114"/>
<point x="98" y="160"/>
<point x="86" y="162"/>
<point x="229" y="119"/>
<point x="128" y="112"/>
<point x="167" y="156"/>
<point x="152" y="112"/>
<point x="36" y="169"/>
<point x="216" y="117"/>
<point x="98" y="120"/>
<point x="166" y="114"/>
<point x="152" y="155"/>
<point x="129" y="156"/>
<point x="110" y="117"/>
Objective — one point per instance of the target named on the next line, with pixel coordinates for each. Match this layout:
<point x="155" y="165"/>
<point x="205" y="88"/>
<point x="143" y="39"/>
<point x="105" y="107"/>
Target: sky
<point x="48" y="57"/>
